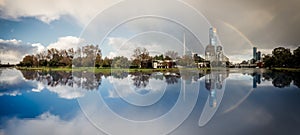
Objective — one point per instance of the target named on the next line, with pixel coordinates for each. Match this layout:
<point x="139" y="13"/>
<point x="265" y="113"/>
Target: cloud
<point x="51" y="10"/>
<point x="13" y="83"/>
<point x="12" y="51"/>
<point x="67" y="43"/>
<point x="267" y="24"/>
<point x="123" y="87"/>
<point x="155" y="43"/>
<point x="48" y="124"/>
<point x="67" y="92"/>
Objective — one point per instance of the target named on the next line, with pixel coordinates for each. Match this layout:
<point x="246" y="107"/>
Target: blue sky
<point x="27" y="27"/>
<point x="34" y="31"/>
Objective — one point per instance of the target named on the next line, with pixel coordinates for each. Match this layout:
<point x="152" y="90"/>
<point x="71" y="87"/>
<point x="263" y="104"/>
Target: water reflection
<point x="213" y="83"/>
<point x="247" y="99"/>
<point x="140" y="79"/>
<point x="283" y="79"/>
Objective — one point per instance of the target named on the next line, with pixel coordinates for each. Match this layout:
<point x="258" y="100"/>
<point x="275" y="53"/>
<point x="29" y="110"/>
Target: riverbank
<point x="286" y="69"/>
<point x="111" y="70"/>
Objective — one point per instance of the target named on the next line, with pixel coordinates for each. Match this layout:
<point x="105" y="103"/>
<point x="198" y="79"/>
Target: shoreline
<point x="142" y="70"/>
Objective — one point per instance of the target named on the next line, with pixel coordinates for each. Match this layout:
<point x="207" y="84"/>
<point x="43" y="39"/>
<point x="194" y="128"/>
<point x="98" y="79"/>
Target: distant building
<point x="164" y="64"/>
<point x="214" y="52"/>
<point x="254" y="53"/>
<point x="213" y="83"/>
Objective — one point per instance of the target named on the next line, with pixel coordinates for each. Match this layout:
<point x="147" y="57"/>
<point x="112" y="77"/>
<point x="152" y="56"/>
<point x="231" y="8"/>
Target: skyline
<point x="28" y="28"/>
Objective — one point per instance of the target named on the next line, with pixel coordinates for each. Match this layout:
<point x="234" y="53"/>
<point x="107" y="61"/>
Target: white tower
<point x="184" y="47"/>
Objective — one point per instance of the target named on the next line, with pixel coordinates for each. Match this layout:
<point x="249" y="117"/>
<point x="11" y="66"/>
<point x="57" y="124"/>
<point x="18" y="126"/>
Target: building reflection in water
<point x="256" y="79"/>
<point x="214" y="82"/>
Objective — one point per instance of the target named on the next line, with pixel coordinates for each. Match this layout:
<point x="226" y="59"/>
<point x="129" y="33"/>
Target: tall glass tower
<point x="213" y="36"/>
<point x="254" y="53"/>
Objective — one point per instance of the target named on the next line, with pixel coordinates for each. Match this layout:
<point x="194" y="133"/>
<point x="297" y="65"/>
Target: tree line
<point x="91" y="56"/>
<point x="282" y="57"/>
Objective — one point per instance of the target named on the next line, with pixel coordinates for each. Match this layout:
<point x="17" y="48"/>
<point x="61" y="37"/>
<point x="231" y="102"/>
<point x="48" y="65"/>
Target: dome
<point x="210" y="49"/>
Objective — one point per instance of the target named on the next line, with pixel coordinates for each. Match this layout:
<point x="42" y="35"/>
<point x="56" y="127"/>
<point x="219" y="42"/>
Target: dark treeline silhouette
<point x="282" y="57"/>
<point x="91" y="56"/>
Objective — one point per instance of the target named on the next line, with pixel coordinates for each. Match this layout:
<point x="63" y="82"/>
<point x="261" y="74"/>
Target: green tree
<point x="120" y="62"/>
<point x="268" y="61"/>
<point x="27" y="61"/>
<point x="296" y="57"/>
<point x="282" y="57"/>
<point x="98" y="60"/>
<point x="106" y="62"/>
<point x="158" y="57"/>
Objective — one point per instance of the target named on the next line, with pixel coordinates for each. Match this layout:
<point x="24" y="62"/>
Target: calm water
<point x="248" y="101"/>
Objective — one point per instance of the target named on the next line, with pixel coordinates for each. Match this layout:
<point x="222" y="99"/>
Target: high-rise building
<point x="213" y="36"/>
<point x="210" y="51"/>
<point x="214" y="51"/>
<point x="254" y="53"/>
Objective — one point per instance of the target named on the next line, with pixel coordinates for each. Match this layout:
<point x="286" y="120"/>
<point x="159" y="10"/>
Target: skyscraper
<point x="254" y="53"/>
<point x="213" y="36"/>
<point x="214" y="51"/>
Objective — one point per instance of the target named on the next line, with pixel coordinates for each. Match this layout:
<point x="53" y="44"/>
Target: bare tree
<point x="172" y="54"/>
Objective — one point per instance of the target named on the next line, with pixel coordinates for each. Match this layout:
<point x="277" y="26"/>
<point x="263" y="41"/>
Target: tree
<point x="27" y="61"/>
<point x="282" y="57"/>
<point x="120" y="62"/>
<point x="54" y="62"/>
<point x="141" y="57"/>
<point x="296" y="57"/>
<point x="172" y="54"/>
<point x="98" y="60"/>
<point x="86" y="56"/>
<point x="106" y="62"/>
<point x="268" y="61"/>
<point x="187" y="61"/>
<point x="158" y="57"/>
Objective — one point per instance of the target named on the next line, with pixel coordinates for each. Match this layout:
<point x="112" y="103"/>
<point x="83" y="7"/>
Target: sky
<point x="31" y="26"/>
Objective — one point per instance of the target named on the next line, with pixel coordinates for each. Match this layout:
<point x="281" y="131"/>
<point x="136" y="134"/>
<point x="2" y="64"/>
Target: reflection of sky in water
<point x="124" y="109"/>
<point x="32" y="108"/>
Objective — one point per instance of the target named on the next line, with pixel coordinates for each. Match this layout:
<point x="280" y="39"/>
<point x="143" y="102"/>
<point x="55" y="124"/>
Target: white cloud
<point x="125" y="47"/>
<point x="66" y="43"/>
<point x="67" y="92"/>
<point x="51" y="10"/>
<point x="40" y="47"/>
<point x="12" y="51"/>
<point x="48" y="124"/>
<point x="13" y="83"/>
<point x="126" y="88"/>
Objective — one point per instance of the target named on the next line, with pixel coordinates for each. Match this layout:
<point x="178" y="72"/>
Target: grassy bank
<point x="286" y="69"/>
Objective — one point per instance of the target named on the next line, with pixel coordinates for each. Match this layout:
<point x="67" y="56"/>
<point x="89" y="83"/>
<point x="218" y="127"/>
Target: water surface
<point x="235" y="101"/>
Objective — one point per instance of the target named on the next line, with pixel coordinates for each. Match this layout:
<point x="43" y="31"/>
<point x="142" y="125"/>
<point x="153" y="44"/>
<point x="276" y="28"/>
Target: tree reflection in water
<point x="282" y="79"/>
<point x="91" y="81"/>
<point x="85" y="80"/>
<point x="140" y="80"/>
<point x="172" y="78"/>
